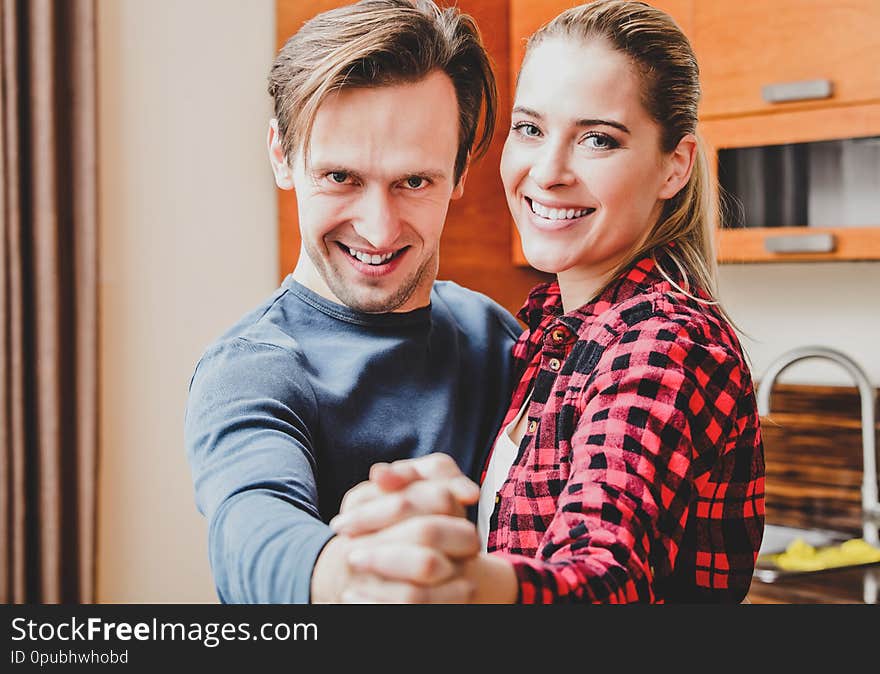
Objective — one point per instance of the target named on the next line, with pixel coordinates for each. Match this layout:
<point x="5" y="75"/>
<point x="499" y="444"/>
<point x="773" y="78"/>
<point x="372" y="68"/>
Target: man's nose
<point x="377" y="221"/>
<point x="551" y="166"/>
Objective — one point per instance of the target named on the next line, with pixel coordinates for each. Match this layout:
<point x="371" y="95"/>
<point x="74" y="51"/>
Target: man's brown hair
<point x="378" y="43"/>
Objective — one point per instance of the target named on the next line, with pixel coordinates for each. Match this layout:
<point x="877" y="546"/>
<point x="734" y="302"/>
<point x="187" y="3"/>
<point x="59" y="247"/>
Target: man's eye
<point x="339" y="177"/>
<point x="415" y="182"/>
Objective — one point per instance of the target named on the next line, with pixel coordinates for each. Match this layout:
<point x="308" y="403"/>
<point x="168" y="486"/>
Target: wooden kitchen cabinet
<point x="745" y="45"/>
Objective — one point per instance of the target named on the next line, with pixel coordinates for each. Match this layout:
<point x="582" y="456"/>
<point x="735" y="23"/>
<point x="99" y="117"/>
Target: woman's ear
<point x="680" y="164"/>
<point x="280" y="167"/>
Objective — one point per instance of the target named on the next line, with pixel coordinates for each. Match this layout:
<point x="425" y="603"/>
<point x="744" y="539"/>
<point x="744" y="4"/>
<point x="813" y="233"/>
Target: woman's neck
<point x="577" y="287"/>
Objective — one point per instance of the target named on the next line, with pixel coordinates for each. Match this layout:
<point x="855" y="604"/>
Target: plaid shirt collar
<point x="544" y="303"/>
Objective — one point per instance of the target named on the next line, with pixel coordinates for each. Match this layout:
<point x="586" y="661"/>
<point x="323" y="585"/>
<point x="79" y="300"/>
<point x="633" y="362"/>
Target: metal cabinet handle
<point x="808" y="243"/>
<point x="806" y="90"/>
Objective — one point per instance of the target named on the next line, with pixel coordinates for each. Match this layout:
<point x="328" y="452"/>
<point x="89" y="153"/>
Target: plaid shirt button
<point x="558" y="335"/>
<point x="533" y="425"/>
<point x="554" y="364"/>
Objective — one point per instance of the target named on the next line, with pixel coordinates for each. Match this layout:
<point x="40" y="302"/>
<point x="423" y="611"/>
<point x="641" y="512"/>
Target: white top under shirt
<point x="503" y="455"/>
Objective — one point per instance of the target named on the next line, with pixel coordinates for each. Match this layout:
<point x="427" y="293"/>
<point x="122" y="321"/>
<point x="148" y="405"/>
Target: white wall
<point x="782" y="306"/>
<point x="188" y="244"/>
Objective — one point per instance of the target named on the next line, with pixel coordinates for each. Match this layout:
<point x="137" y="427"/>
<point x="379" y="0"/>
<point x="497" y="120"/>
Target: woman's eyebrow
<point x="601" y="122"/>
<point x="580" y="122"/>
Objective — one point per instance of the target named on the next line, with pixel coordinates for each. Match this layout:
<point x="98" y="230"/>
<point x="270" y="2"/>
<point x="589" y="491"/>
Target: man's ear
<point x="280" y="167"/>
<point x="458" y="190"/>
<point x="681" y="163"/>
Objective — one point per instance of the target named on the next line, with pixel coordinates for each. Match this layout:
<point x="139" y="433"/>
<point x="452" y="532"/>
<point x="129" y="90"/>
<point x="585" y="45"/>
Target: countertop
<point x="853" y="585"/>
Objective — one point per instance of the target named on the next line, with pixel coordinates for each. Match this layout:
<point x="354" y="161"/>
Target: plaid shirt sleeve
<point x="663" y="496"/>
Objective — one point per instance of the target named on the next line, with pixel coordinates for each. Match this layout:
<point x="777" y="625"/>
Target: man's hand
<point x="418" y="560"/>
<point x="403" y="536"/>
<point x="432" y="484"/>
<point x="427" y="560"/>
<point x="422" y="559"/>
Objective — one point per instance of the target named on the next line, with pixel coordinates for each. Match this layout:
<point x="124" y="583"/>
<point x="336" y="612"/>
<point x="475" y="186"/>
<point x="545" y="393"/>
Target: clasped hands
<point x="410" y="542"/>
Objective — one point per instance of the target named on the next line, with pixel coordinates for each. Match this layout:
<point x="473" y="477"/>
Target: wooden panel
<point x="476" y="244"/>
<point x="744" y="44"/>
<point x="748" y="245"/>
<point x="813" y="456"/>
<point x="796" y="126"/>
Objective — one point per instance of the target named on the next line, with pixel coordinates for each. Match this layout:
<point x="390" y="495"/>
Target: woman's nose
<point x="551" y="167"/>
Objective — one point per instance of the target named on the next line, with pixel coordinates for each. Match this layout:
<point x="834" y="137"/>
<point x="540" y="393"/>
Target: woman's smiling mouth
<point x="559" y="217"/>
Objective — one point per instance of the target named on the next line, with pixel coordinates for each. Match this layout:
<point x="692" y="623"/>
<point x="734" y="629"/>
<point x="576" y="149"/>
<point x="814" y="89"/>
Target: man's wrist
<point x="330" y="571"/>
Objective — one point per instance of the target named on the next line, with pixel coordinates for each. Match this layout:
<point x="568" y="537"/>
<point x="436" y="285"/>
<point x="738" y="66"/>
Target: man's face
<point x="374" y="196"/>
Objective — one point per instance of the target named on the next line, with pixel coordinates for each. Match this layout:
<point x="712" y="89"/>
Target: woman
<point x="630" y="464"/>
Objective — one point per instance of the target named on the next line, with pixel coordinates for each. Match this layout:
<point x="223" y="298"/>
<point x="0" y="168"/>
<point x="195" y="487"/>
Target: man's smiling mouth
<point x="374" y="260"/>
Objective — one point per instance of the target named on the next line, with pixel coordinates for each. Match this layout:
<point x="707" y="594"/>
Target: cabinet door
<point x="746" y="45"/>
<point x="762" y="244"/>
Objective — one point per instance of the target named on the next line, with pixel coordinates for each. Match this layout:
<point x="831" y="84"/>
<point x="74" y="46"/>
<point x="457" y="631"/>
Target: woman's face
<point x="582" y="167"/>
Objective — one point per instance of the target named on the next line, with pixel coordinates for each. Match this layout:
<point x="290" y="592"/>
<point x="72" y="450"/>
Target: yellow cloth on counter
<point x="800" y="556"/>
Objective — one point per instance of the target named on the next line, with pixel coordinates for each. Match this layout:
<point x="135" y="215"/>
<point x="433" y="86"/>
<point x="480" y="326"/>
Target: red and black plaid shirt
<point x="640" y="476"/>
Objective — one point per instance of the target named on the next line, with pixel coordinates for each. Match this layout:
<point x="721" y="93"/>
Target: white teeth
<point x="558" y="213"/>
<point x="366" y="258"/>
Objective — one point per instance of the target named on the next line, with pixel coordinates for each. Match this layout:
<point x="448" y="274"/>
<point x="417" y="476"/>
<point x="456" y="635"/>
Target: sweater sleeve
<point x="249" y="441"/>
<point x="653" y="472"/>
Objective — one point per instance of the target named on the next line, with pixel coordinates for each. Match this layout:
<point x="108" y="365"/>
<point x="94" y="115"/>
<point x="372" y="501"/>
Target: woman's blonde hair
<point x="670" y="79"/>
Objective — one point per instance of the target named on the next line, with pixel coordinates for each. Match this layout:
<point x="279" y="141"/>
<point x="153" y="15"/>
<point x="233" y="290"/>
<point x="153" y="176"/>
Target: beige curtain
<point x="48" y="301"/>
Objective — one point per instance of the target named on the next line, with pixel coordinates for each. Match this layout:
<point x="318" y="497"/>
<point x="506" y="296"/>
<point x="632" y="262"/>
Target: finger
<point x="359" y="494"/>
<point x="426" y="497"/>
<point x="377" y="590"/>
<point x="390" y="479"/>
<point x="382" y="479"/>
<point x="454" y="537"/>
<point x="402" y="562"/>
<point x="465" y="490"/>
<point x="436" y="465"/>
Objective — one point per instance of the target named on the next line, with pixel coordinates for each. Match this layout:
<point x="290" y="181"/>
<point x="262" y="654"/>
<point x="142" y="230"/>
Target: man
<point x="360" y="356"/>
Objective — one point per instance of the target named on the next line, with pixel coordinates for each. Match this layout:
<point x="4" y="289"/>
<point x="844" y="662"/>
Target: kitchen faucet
<point x="870" y="503"/>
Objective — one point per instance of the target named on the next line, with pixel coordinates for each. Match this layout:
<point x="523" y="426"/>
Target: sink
<point x="777" y="538"/>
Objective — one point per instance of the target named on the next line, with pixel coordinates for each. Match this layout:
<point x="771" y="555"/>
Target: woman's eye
<point x="415" y="182"/>
<point x="338" y="177"/>
<point x="601" y="142"/>
<point x="526" y="129"/>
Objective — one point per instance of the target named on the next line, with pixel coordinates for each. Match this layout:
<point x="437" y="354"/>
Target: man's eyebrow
<point x="580" y="122"/>
<point x="331" y="168"/>
<point x="430" y="174"/>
